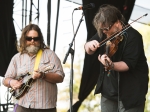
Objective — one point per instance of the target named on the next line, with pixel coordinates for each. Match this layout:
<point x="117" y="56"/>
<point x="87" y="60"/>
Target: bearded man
<point x="41" y="95"/>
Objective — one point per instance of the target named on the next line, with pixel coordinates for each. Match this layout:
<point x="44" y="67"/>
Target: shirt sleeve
<point x="57" y="64"/>
<point x="133" y="49"/>
<point x="95" y="37"/>
<point x="11" y="70"/>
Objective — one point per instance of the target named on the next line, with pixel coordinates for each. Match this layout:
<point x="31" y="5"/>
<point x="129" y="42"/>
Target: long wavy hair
<point x="22" y="42"/>
<point x="106" y="15"/>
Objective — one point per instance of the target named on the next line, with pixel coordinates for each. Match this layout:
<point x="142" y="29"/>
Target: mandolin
<point x="27" y="83"/>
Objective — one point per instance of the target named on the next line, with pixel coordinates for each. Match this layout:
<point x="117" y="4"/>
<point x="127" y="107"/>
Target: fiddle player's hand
<point x="15" y="84"/>
<point x="91" y="46"/>
<point x="105" y="60"/>
<point x="36" y="74"/>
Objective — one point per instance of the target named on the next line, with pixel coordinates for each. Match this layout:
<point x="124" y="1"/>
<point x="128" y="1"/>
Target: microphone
<point x="107" y="49"/>
<point x="88" y="6"/>
<point x="107" y="53"/>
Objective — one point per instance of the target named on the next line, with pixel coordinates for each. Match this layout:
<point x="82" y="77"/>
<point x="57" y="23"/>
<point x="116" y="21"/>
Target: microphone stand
<point x="71" y="51"/>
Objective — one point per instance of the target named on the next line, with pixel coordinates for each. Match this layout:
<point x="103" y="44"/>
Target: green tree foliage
<point x="145" y="31"/>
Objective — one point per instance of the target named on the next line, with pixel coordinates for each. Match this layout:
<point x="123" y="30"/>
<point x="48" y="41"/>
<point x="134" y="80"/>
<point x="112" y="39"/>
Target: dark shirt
<point x="131" y="86"/>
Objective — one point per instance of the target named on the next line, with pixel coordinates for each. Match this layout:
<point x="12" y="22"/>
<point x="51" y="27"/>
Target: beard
<point x="31" y="49"/>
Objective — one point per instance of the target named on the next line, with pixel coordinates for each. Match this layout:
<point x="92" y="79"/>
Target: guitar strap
<point x="37" y="60"/>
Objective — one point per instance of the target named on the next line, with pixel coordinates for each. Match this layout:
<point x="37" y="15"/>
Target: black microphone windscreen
<point x="88" y="6"/>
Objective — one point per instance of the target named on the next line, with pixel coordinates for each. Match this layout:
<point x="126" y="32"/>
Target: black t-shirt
<point x="109" y="87"/>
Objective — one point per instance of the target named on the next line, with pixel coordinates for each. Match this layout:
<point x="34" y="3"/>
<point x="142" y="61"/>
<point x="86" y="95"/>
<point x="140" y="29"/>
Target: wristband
<point x="111" y="67"/>
<point x="9" y="82"/>
<point x="42" y="75"/>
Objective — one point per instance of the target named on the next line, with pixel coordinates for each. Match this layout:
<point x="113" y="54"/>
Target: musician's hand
<point x="93" y="45"/>
<point x="105" y="60"/>
<point x="36" y="74"/>
<point x="15" y="84"/>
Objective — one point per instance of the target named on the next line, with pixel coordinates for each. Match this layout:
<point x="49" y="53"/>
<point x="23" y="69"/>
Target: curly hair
<point x="22" y="42"/>
<point x="107" y="15"/>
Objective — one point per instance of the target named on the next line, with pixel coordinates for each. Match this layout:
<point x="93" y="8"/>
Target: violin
<point x="113" y="41"/>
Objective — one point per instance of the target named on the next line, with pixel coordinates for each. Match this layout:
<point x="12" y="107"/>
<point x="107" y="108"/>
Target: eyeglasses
<point x="106" y="29"/>
<point x="34" y="38"/>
